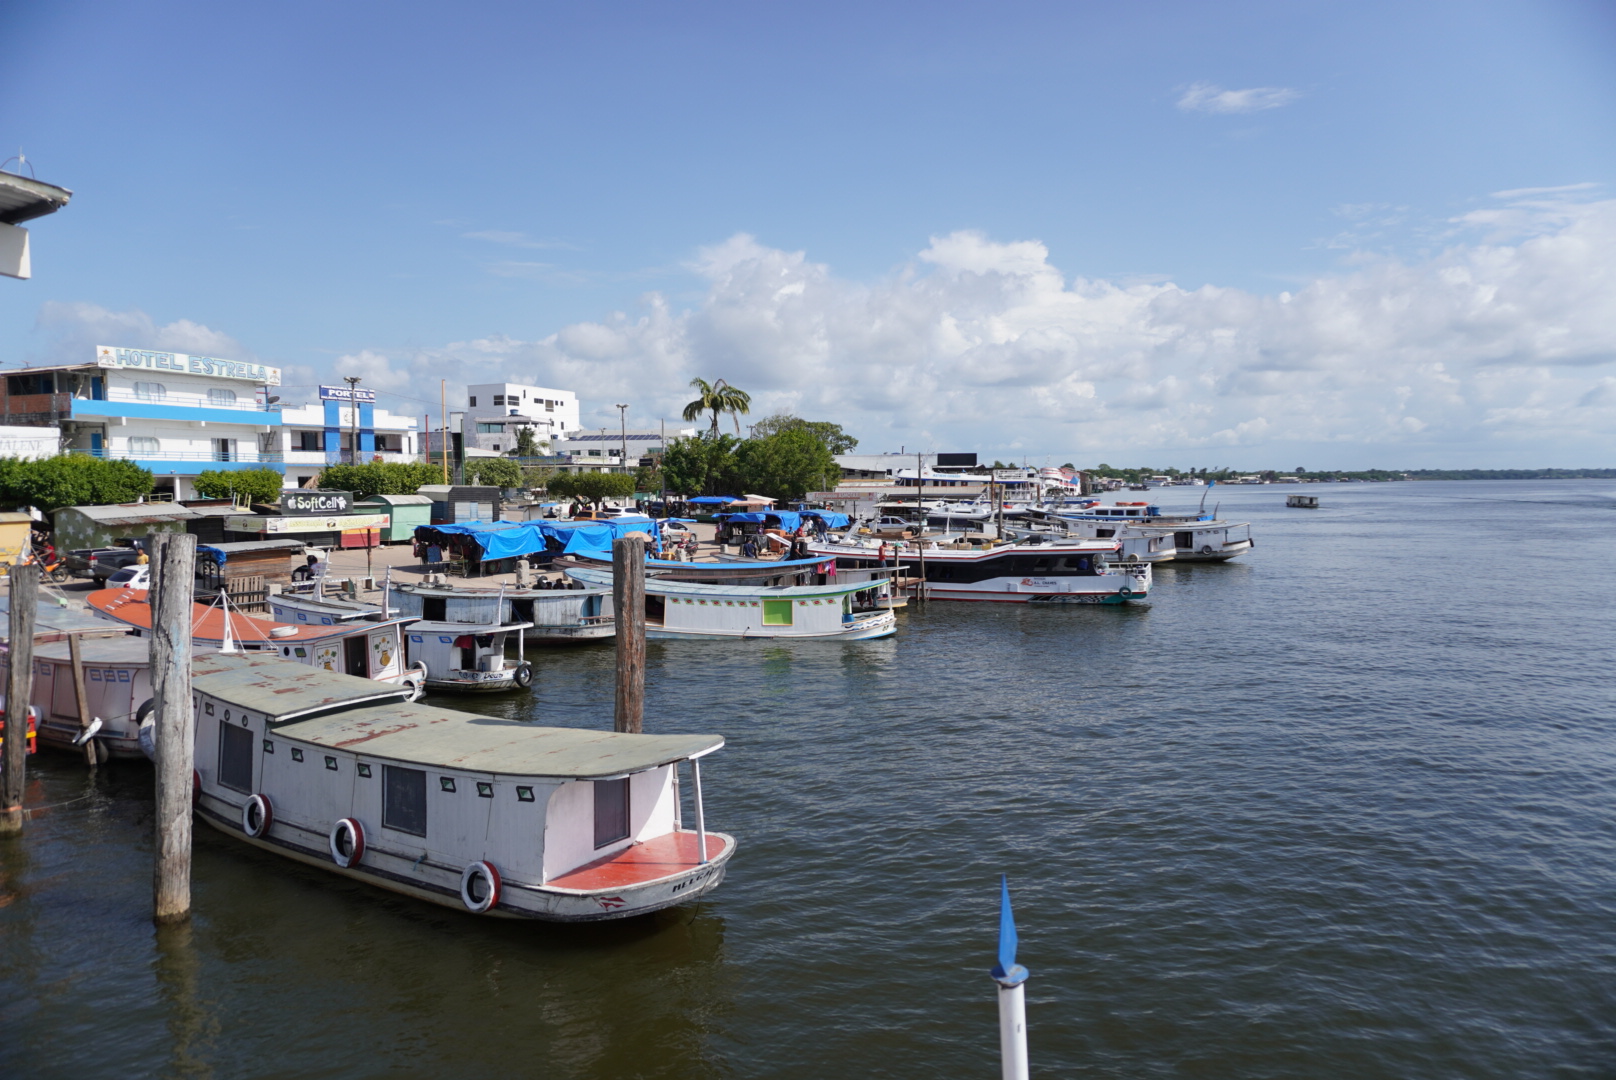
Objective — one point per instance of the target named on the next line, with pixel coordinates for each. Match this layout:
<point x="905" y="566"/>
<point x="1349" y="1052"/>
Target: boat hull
<point x="439" y="884"/>
<point x="867" y="627"/>
<point x="570" y="635"/>
<point x="1231" y="550"/>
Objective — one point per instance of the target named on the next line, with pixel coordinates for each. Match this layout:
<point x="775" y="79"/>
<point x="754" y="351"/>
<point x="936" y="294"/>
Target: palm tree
<point x="718" y="398"/>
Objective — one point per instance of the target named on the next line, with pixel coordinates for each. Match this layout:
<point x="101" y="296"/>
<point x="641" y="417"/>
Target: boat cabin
<point x="468" y="658"/>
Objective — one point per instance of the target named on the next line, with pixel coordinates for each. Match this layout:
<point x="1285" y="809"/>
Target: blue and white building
<point x="179" y="415"/>
<point x="172" y="413"/>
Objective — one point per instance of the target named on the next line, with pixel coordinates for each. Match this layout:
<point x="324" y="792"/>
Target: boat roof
<point x="50" y="619"/>
<point x="493" y="594"/>
<point x="660" y="586"/>
<point x="207" y="623"/>
<point x="355" y="714"/>
<point x="417" y="625"/>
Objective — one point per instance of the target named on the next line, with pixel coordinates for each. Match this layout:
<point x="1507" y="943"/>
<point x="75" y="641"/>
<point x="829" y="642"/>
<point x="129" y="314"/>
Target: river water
<point x="1343" y="808"/>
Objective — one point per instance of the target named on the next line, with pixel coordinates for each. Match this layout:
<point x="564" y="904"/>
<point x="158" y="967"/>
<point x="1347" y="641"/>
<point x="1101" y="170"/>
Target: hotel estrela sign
<point x="108" y="356"/>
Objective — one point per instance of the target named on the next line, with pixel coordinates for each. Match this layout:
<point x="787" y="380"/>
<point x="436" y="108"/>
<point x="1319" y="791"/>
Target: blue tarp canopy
<point x="512" y="540"/>
<point x="710" y="500"/>
<point x="789" y="520"/>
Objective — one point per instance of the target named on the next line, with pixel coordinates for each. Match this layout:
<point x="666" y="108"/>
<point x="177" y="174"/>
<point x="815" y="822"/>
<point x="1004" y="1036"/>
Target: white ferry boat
<point x="1059" y="571"/>
<point x="693" y="609"/>
<point x="494" y="817"/>
<point x="1196" y="537"/>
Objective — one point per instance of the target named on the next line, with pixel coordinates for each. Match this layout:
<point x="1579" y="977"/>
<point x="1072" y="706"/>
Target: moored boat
<point x="495" y="817"/>
<point x="693" y="609"/>
<point x="1067" y="571"/>
<point x="368" y="650"/>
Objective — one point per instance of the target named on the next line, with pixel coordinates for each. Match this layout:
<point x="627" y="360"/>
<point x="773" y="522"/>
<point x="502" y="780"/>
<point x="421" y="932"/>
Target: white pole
<point x="701" y="818"/>
<point x="1013" y="1030"/>
<point x="1011" y="978"/>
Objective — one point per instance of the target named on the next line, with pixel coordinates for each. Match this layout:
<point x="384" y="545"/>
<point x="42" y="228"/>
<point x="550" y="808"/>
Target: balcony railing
<point x="35" y="410"/>
<point x="256" y="456"/>
<point x="187" y="400"/>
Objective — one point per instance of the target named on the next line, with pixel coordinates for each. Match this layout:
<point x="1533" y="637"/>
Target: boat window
<point x="611" y="811"/>
<point x="434" y="608"/>
<point x="404" y="799"/>
<point x="330" y="762"/>
<point x="485" y="790"/>
<point x="364" y="770"/>
<point x="235" y="757"/>
<point x="777" y="613"/>
<point x="269" y="747"/>
<point x="524" y="794"/>
<point x="446" y="783"/>
<point x="297" y="755"/>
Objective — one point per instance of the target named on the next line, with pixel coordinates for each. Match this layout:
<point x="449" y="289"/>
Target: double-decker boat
<point x="495" y="817"/>
<point x="1067" y="571"/>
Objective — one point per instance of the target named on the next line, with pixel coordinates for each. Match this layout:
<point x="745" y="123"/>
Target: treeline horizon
<point x="1136" y="475"/>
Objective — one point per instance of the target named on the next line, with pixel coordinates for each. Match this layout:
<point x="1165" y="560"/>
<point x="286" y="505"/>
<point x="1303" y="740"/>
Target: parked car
<point x="100" y="563"/>
<point x="130" y="577"/>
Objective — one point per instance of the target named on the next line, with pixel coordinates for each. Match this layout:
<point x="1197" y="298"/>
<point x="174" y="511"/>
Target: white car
<point x="130" y="577"/>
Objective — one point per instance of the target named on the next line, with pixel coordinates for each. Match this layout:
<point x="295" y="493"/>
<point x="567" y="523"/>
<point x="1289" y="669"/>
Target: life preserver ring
<point x="1206" y="549"/>
<point x="489" y="887"/>
<point x="257" y="815"/>
<point x="146" y="729"/>
<point x="1125" y="591"/>
<point x="524" y="675"/>
<point x="347" y="833"/>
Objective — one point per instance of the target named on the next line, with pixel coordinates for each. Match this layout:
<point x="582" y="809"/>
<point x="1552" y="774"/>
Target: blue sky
<point x="1188" y="233"/>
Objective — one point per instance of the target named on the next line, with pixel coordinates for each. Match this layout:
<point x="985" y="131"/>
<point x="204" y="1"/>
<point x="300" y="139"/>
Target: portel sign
<point x="109" y="356"/>
<point x="316" y="502"/>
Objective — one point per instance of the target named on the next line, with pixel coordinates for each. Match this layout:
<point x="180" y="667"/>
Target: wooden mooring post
<point x="19" y="689"/>
<point x="628" y="606"/>
<point x="173" y="563"/>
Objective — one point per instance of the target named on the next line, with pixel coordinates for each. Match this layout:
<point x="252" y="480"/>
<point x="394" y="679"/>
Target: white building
<point x="174" y="414"/>
<point x="604" y="446"/>
<point x="314" y="436"/>
<point x="497" y="412"/>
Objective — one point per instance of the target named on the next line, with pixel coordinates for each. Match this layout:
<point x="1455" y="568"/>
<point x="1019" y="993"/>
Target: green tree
<point x="835" y="439"/>
<point x="695" y="466"/>
<point x="647" y="478"/>
<point x="718" y="398"/>
<point x="71" y="480"/>
<point x="527" y="445"/>
<point x="258" y="485"/>
<point x="380" y="478"/>
<point x="593" y="487"/>
<point x="495" y="472"/>
<point x="785" y="465"/>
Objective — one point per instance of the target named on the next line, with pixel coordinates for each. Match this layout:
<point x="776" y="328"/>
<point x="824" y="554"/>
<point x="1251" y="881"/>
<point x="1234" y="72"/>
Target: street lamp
<point x="353" y="406"/>
<point x="622" y="419"/>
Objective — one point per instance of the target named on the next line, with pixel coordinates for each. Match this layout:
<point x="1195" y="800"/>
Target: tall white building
<point x="496" y="412"/>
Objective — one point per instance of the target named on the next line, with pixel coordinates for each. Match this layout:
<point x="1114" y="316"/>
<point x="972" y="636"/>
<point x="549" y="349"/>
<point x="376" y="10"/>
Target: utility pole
<point x="173" y="563"/>
<point x="443" y="415"/>
<point x="628" y="608"/>
<point x="19" y="684"/>
<point x="622" y="420"/>
<point x="353" y="415"/>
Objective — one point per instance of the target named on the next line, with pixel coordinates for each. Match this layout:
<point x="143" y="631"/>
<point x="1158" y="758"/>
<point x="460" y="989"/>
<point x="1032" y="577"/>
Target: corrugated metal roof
<point x="23" y="198"/>
<point x="397" y="500"/>
<point x="428" y="736"/>
<point x="133" y="513"/>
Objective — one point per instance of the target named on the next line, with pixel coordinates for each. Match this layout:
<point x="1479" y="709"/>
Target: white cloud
<point x="1484" y="352"/>
<point x="74" y="329"/>
<point x="1207" y="98"/>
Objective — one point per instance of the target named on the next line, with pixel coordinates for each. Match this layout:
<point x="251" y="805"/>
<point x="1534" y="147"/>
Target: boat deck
<point x="661" y="857"/>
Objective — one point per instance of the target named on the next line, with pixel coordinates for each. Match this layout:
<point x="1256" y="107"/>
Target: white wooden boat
<point x="117" y="682"/>
<point x="467" y="658"/>
<point x="1303" y="502"/>
<point x="693" y="609"/>
<point x="367" y="650"/>
<point x="1060" y="571"/>
<point x="555" y="617"/>
<point x="1196" y="537"/>
<point x="494" y="817"/>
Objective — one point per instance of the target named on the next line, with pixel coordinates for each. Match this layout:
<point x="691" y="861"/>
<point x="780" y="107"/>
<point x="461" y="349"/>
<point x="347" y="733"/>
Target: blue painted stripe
<point x="151" y="410"/>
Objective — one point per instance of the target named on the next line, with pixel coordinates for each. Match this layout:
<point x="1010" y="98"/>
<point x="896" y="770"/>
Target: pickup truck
<point x="99" y="563"/>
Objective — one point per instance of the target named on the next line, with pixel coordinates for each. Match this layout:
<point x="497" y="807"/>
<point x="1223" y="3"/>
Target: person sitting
<point x="749" y="547"/>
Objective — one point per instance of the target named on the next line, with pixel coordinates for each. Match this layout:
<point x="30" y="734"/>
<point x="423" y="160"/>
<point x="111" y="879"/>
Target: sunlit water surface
<point x="1344" y="808"/>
